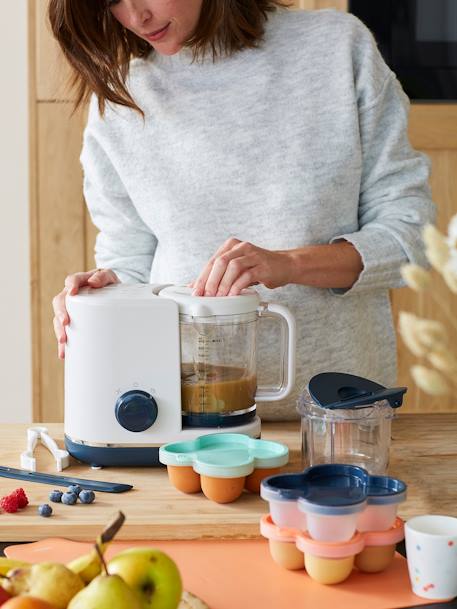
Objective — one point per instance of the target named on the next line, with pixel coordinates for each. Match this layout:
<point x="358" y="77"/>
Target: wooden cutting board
<point x="423" y="454"/>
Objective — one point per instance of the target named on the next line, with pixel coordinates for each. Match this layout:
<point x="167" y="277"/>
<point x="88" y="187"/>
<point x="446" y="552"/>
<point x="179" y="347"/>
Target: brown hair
<point x="99" y="48"/>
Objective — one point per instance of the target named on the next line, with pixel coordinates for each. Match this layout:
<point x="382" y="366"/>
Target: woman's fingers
<point x="59" y="322"/>
<point x="102" y="277"/>
<point x="244" y="281"/>
<point x="235" y="267"/>
<point x="76" y="280"/>
<point x="59" y="330"/>
<point x="96" y="278"/>
<point x="200" y="287"/>
<point x="58" y="305"/>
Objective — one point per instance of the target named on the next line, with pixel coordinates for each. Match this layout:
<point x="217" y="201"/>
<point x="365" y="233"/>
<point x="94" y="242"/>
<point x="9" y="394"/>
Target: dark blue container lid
<point x="333" y="488"/>
<point x="284" y="487"/>
<point x="383" y="490"/>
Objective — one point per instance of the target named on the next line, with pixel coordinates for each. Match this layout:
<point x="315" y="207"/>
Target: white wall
<point x="15" y="349"/>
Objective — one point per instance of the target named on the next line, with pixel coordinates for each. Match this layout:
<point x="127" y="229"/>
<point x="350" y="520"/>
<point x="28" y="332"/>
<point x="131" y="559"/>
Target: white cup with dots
<point x="431" y="549"/>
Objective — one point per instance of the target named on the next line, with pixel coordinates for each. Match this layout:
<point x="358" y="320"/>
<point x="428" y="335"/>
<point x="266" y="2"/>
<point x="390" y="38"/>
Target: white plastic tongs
<point x="34" y="434"/>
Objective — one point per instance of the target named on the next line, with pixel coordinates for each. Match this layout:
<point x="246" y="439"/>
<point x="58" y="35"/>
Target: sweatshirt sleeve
<point x="395" y="200"/>
<point x="124" y="243"/>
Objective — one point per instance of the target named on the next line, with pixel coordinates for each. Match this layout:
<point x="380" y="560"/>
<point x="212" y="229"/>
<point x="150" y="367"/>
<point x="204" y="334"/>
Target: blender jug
<point x="218" y="356"/>
<point x="347" y="419"/>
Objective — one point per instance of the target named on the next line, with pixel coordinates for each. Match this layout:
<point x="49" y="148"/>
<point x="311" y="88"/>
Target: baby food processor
<point x="347" y="419"/>
<point x="147" y="365"/>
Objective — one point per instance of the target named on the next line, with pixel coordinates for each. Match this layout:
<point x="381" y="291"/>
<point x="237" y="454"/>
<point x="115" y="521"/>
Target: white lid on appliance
<point x="209" y="306"/>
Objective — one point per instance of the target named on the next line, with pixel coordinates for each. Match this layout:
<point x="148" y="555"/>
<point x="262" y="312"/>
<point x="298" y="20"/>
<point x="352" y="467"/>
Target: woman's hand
<point x="237" y="265"/>
<point x="98" y="278"/>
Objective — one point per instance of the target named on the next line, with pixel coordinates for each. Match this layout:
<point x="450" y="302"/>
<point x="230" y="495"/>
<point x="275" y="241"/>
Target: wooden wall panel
<point x="60" y="235"/>
<point x="433" y="126"/>
<point x="52" y="72"/>
<point x="34" y="217"/>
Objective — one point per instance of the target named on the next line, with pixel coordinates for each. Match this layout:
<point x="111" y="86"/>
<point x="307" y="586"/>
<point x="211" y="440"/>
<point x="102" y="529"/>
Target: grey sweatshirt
<point x="301" y="141"/>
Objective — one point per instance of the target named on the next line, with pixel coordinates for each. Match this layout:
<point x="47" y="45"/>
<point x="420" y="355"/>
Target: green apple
<point x="152" y="574"/>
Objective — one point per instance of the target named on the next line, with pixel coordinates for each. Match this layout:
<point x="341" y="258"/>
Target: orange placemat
<point x="240" y="574"/>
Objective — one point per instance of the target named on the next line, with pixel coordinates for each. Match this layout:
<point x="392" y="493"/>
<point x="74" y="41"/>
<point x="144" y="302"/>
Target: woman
<point x="248" y="144"/>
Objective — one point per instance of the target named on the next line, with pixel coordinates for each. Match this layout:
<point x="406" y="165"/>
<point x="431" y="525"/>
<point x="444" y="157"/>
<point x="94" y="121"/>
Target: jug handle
<point x="287" y="321"/>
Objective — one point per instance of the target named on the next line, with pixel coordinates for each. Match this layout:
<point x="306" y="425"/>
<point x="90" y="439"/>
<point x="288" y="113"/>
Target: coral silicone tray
<point x="327" y="562"/>
<point x="222" y="465"/>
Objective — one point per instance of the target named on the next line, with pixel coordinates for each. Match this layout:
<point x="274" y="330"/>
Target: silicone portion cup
<point x="379" y="549"/>
<point x="286" y="514"/>
<point x="184" y="478"/>
<point x="222" y="490"/>
<point x="286" y="554"/>
<point x="337" y="526"/>
<point x="329" y="563"/>
<point x="254" y="480"/>
<point x="282" y="545"/>
<point x="384" y="496"/>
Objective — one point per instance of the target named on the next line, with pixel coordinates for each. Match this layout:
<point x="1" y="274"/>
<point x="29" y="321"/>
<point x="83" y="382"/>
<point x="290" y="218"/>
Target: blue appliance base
<point x="101" y="456"/>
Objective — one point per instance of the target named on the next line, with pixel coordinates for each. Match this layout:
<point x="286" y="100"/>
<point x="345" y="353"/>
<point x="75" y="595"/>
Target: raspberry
<point x="9" y="504"/>
<point x="21" y="497"/>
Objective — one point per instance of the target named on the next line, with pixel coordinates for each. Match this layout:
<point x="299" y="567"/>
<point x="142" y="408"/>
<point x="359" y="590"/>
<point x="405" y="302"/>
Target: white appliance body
<point x="123" y="378"/>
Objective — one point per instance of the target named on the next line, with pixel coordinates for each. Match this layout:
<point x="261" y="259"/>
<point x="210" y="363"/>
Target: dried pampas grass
<point x="430" y="381"/>
<point x="427" y="338"/>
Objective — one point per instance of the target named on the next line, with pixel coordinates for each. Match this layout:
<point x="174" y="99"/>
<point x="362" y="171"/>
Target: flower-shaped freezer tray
<point x="222" y="465"/>
<point x="332" y="501"/>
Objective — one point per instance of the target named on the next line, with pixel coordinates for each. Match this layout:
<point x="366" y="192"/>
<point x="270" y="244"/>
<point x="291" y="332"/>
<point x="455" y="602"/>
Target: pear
<point x="106" y="592"/>
<point x="48" y="581"/>
<point x="90" y="565"/>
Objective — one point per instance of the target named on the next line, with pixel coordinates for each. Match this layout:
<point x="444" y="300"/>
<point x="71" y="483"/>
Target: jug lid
<point x="336" y="390"/>
<point x="209" y="306"/>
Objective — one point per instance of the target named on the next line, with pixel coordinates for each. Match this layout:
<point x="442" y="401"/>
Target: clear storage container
<point x="347" y="419"/>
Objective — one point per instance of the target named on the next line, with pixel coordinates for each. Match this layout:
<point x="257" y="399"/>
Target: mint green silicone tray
<point x="225" y="455"/>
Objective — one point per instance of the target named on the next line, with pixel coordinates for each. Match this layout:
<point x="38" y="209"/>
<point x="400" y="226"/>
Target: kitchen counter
<point x="423" y="454"/>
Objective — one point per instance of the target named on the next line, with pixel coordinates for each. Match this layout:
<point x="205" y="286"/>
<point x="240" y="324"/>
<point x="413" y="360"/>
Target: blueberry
<point x="45" y="510"/>
<point x="86" y="496"/>
<point x="55" y="496"/>
<point x="74" y="488"/>
<point x="69" y="498"/>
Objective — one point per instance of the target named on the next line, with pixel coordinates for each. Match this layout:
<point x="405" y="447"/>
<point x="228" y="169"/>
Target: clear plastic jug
<point x="218" y="356"/>
<point x="347" y="419"/>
